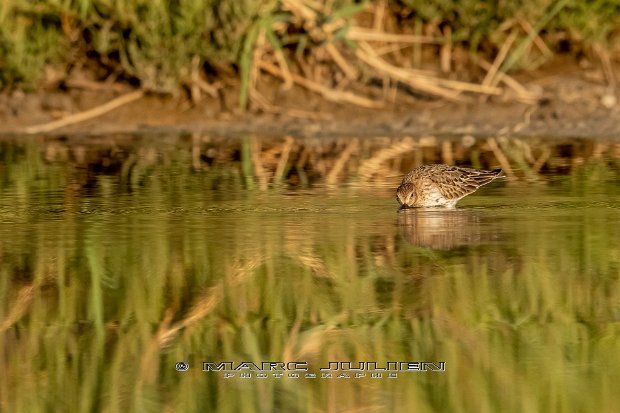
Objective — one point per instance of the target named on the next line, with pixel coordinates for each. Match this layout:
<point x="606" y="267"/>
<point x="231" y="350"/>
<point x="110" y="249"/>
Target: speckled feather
<point x="441" y="185"/>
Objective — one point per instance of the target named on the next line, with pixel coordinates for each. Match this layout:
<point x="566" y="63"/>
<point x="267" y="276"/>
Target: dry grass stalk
<point x="329" y="94"/>
<point x="427" y="142"/>
<point x="501" y="158"/>
<point x="318" y="5"/>
<point x="286" y="73"/>
<point x="520" y="152"/>
<point x="19" y="307"/>
<point x="491" y="79"/>
<point x="307" y="13"/>
<point x="287" y="353"/>
<point x="423" y="83"/>
<point x="446" y="51"/>
<point x="371" y="166"/>
<point x="607" y="64"/>
<point x="286" y="149"/>
<point x="349" y="71"/>
<point x="391" y="48"/>
<point x="538" y="41"/>
<point x="417" y="47"/>
<point x="448" y="89"/>
<point x="303" y="158"/>
<point x="86" y="115"/>
<point x="196" y="164"/>
<point x="356" y="33"/>
<point x="332" y="26"/>
<point x="332" y="176"/>
<point x="379" y="15"/>
<point x="206" y="303"/>
<point x="446" y="152"/>
<point x="313" y="344"/>
<point x="300" y="10"/>
<point x="259" y="171"/>
<point x="443" y="87"/>
<point x="469" y="87"/>
<point x="381" y="50"/>
<point x="198" y="84"/>
<point x="203" y="307"/>
<point x="385" y="86"/>
<point x="262" y="102"/>
<point x="270" y="155"/>
<point x="149" y="362"/>
<point x="527" y="150"/>
<point x="257" y="56"/>
<point x="523" y="94"/>
<point x="599" y="149"/>
<point x="317" y="66"/>
<point x="542" y="159"/>
<point x="318" y="267"/>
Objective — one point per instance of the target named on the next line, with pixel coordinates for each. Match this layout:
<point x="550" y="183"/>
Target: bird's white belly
<point x="435" y="198"/>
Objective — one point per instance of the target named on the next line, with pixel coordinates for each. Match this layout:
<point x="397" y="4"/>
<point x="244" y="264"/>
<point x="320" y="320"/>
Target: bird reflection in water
<point x="443" y="229"/>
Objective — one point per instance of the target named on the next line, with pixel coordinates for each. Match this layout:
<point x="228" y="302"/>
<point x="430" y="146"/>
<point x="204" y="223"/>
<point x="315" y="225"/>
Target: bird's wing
<point x="455" y="183"/>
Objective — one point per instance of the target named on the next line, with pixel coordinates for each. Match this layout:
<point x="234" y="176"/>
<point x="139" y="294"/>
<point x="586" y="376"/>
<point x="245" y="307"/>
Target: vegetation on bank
<point x="331" y="47"/>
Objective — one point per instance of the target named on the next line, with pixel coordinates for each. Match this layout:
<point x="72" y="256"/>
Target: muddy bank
<point x="574" y="101"/>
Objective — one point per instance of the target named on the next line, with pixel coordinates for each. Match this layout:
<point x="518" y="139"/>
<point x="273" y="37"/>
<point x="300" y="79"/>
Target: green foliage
<point x="474" y="21"/>
<point x="157" y="42"/>
<point x="596" y="21"/>
<point x="27" y="43"/>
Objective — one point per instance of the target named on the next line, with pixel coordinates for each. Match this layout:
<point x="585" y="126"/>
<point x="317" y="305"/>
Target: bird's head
<point x="405" y="194"/>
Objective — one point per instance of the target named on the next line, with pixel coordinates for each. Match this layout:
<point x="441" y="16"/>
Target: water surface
<point x="121" y="257"/>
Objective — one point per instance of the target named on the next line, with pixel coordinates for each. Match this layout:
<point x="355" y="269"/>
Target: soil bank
<point x="575" y="101"/>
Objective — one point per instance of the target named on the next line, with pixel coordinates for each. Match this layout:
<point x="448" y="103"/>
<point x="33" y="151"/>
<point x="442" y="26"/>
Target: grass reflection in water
<point x="117" y="261"/>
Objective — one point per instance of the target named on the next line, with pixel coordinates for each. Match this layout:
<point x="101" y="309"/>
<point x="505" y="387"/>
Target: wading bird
<point x="441" y="185"/>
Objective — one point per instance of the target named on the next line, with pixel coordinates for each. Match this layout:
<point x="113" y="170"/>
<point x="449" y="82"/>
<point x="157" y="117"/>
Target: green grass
<point x="98" y="269"/>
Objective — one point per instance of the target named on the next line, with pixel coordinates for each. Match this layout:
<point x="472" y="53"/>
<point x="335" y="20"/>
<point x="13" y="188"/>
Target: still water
<point x="123" y="256"/>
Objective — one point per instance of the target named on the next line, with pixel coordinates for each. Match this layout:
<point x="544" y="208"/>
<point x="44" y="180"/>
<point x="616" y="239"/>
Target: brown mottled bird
<point x="441" y="185"/>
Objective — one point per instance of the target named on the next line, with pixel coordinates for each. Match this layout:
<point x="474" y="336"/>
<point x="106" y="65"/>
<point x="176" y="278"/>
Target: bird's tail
<point x="498" y="173"/>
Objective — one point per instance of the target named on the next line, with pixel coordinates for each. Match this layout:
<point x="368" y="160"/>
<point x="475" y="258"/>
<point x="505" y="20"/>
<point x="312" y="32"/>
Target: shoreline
<point x="574" y="102"/>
